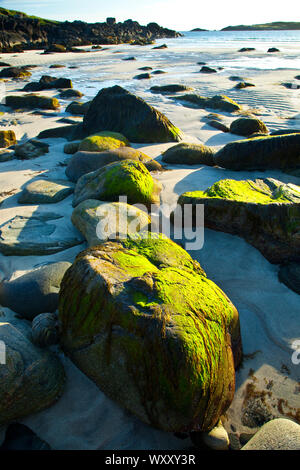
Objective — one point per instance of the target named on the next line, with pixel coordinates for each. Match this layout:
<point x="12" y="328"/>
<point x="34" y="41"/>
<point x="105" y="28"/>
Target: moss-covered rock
<point x="70" y="93"/>
<point x="221" y="102"/>
<point x="103" y="141"/>
<point x="101" y="221"/>
<point x="15" y="72"/>
<point x="242" y="85"/>
<point x="85" y="162"/>
<point x="206" y="69"/>
<point x="78" y="109"/>
<point x="247" y="126"/>
<point x="7" y="138"/>
<point x="142" y="76"/>
<point x="126" y="178"/>
<point x="189" y="154"/>
<point x="117" y="110"/>
<point x="220" y="126"/>
<point x="261" y="153"/>
<point x="141" y="319"/>
<point x="31" y="101"/>
<point x="264" y="212"/>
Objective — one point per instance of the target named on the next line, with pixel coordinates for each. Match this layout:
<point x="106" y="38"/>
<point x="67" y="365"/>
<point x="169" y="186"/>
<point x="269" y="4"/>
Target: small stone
<point x="44" y="329"/>
<point x="7" y="138"/>
<point x="278" y="434"/>
<point x="217" y="438"/>
<point x="31" y="149"/>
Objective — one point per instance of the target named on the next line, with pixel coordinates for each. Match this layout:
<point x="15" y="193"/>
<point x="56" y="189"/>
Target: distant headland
<point x="279" y="25"/>
<point x="19" y="31"/>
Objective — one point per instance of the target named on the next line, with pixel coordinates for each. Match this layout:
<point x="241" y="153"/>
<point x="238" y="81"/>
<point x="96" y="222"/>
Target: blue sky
<point x="178" y="14"/>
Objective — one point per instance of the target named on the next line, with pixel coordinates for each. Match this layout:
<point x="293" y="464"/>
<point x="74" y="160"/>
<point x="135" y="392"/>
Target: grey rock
<point x="34" y="235"/>
<point x="100" y="221"/>
<point x="278" y="434"/>
<point x="31" y="149"/>
<point x="45" y="330"/>
<point x="45" y="192"/>
<point x="34" y="292"/>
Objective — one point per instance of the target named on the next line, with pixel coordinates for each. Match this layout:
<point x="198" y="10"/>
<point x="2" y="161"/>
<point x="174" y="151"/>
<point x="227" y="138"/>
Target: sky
<point x="181" y="15"/>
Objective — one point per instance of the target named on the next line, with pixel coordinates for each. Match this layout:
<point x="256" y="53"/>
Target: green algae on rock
<point x="189" y="154"/>
<point x="7" y="138"/>
<point x="267" y="152"/>
<point x="125" y="178"/>
<point x="141" y="319"/>
<point x="264" y="212"/>
<point x="116" y="109"/>
<point x="221" y="102"/>
<point x="101" y="221"/>
<point x="31" y="101"/>
<point x="246" y="126"/>
<point x="102" y="141"/>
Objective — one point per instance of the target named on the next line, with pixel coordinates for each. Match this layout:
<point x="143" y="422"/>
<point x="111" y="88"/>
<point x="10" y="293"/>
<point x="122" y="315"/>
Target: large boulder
<point x="247" y="126"/>
<point x="45" y="192"/>
<point x="102" y="141"/>
<point x="261" y="153"/>
<point x="102" y="221"/>
<point x="7" y="138"/>
<point x="36" y="235"/>
<point x="31" y="101"/>
<point x="189" y="154"/>
<point x="85" y="162"/>
<point x="220" y="102"/>
<point x="126" y="178"/>
<point x="34" y="292"/>
<point x="116" y="109"/>
<point x="31" y="379"/>
<point x="264" y="212"/>
<point x="141" y="319"/>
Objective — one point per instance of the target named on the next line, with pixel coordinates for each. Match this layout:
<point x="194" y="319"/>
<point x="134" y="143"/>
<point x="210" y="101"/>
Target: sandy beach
<point x="84" y="418"/>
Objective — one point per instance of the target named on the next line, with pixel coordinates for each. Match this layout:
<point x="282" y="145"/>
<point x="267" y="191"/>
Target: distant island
<point x="279" y="25"/>
<point x="197" y="29"/>
<point x="19" y="31"/>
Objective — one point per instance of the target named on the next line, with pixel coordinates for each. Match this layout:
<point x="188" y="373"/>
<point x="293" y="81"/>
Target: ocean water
<point x="216" y="48"/>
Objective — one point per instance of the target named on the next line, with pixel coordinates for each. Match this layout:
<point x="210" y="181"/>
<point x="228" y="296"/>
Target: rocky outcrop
<point x="19" y="29"/>
<point x="264" y="212"/>
<point x="141" y="319"/>
<point x="270" y="152"/>
<point x="7" y="138"/>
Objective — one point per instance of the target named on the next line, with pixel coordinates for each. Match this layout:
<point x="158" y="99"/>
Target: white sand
<point x="269" y="312"/>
